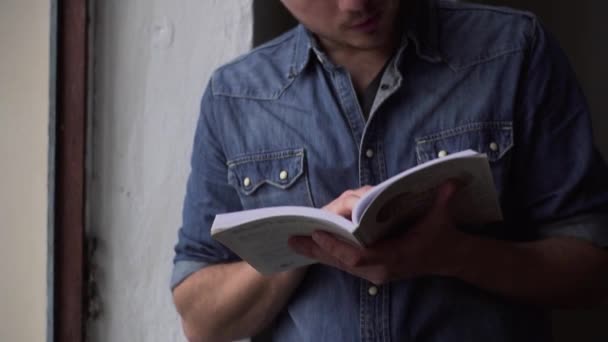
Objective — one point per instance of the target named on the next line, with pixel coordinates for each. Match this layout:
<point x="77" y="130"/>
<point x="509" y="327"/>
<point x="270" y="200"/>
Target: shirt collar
<point x="422" y="29"/>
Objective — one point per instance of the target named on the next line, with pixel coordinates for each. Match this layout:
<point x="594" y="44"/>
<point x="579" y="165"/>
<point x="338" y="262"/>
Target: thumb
<point x="445" y="192"/>
<point x="443" y="196"/>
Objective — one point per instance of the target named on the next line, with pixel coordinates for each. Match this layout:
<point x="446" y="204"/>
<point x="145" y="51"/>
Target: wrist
<point x="460" y="256"/>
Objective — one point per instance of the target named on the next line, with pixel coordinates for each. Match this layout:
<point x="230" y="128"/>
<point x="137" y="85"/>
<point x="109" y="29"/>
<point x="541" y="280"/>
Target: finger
<point x="443" y="196"/>
<point x="362" y="190"/>
<point x="343" y="205"/>
<point x="343" y="252"/>
<point x="375" y="273"/>
<point x="440" y="213"/>
<point x="303" y="245"/>
<point x="447" y="191"/>
<point x="307" y="247"/>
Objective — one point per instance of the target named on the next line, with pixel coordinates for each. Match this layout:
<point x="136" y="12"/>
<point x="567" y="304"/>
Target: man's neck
<point x="363" y="65"/>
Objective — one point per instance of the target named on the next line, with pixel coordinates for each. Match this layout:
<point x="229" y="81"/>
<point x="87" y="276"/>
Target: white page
<point x="366" y="199"/>
<point x="260" y="236"/>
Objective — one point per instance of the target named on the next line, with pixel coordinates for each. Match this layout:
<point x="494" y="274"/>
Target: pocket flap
<point x="280" y="169"/>
<point x="492" y="138"/>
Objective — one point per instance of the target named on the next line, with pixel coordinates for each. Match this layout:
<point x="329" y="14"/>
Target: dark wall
<point x="270" y="19"/>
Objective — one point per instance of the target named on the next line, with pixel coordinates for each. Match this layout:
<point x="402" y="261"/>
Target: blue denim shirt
<point x="465" y="77"/>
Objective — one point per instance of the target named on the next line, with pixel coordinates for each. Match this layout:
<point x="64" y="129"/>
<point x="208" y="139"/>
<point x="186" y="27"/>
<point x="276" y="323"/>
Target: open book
<point x="259" y="236"/>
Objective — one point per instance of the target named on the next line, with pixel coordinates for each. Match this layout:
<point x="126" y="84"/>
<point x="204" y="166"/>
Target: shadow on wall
<point x="580" y="28"/>
<point x="270" y="19"/>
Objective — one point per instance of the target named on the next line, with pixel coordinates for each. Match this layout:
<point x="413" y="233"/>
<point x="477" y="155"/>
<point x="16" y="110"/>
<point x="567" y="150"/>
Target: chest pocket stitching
<point x="502" y="134"/>
<point x="265" y="168"/>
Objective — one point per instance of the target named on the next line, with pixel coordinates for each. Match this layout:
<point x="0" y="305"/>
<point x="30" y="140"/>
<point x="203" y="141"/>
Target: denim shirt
<point x="465" y="77"/>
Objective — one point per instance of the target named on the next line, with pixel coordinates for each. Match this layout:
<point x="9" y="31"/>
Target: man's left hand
<point x="430" y="247"/>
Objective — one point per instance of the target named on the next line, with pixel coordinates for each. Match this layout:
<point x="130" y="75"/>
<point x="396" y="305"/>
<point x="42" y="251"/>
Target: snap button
<point x="247" y="181"/>
<point x="283" y="175"/>
<point x="494" y="146"/>
<point x="442" y="153"/>
<point x="384" y="86"/>
<point x="373" y="290"/>
<point x="369" y="153"/>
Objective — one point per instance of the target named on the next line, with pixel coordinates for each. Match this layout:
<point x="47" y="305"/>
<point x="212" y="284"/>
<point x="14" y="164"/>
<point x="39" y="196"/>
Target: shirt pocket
<point x="267" y="179"/>
<point x="495" y="139"/>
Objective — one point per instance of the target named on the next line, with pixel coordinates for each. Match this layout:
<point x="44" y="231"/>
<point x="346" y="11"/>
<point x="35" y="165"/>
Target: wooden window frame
<point x="68" y="136"/>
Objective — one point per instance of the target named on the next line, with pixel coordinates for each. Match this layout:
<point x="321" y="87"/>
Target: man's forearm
<point x="231" y="301"/>
<point x="557" y="272"/>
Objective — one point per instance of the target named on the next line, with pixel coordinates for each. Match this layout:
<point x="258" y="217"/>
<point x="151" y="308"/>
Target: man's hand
<point x="429" y="247"/>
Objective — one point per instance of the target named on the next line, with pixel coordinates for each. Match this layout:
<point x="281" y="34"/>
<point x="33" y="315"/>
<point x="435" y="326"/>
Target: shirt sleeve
<point x="208" y="193"/>
<point x="560" y="181"/>
<point x="587" y="227"/>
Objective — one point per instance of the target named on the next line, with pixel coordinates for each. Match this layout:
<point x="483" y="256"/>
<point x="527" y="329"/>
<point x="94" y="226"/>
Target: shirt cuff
<point x="589" y="227"/>
<point x="183" y="269"/>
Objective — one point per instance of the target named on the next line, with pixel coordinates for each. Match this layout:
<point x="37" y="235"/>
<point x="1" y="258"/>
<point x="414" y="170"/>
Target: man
<point x="359" y="92"/>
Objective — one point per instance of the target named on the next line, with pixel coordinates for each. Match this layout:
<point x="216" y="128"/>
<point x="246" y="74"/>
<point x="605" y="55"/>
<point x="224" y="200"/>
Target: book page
<point x="369" y="197"/>
<point x="262" y="242"/>
<point x="404" y="199"/>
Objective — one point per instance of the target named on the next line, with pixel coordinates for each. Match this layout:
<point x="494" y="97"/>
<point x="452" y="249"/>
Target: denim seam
<point x="264" y="156"/>
<point x="351" y="124"/>
<point x="308" y="187"/>
<point x="481" y="59"/>
<point x="386" y="313"/>
<point x="363" y="310"/>
<point x="381" y="161"/>
<point x="275" y="184"/>
<point x="272" y="97"/>
<point x="448" y="6"/>
<point x="475" y="126"/>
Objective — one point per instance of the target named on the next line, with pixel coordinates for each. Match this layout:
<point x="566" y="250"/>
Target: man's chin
<point x="366" y="44"/>
<point x="360" y="42"/>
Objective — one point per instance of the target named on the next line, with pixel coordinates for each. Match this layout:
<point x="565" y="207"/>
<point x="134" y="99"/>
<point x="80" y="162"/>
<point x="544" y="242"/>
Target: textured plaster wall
<point x="152" y="61"/>
<point x="24" y="142"/>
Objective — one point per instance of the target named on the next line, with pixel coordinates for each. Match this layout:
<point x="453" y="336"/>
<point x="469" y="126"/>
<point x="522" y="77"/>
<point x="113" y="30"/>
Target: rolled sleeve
<point x="183" y="269"/>
<point x="592" y="228"/>
<point x="207" y="194"/>
<point x="559" y="178"/>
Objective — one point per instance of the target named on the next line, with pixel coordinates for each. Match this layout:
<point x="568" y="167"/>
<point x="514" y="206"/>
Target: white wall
<point x="152" y="61"/>
<point x="24" y="113"/>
